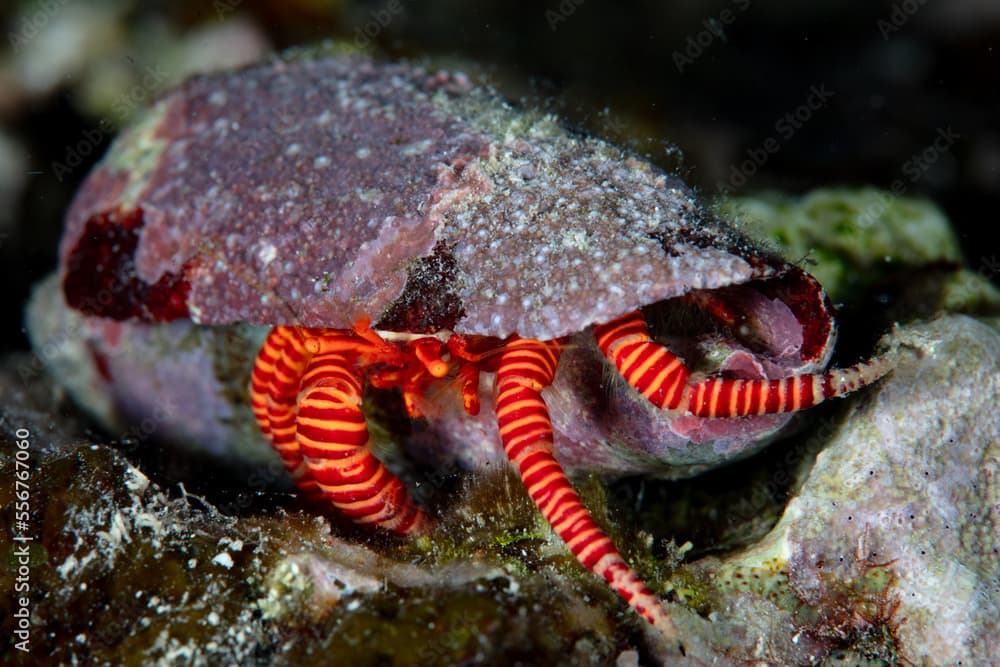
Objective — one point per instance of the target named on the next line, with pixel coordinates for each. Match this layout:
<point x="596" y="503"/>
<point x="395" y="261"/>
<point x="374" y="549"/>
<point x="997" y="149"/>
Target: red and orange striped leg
<point x="525" y="368"/>
<point x="663" y="378"/>
<point x="652" y="369"/>
<point x="273" y="390"/>
<point x="332" y="437"/>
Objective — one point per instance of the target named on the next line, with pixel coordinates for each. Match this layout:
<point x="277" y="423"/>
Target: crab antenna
<point x="526" y="367"/>
<point x="666" y="382"/>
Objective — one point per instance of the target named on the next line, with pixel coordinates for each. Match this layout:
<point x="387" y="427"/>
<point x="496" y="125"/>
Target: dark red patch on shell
<point x="430" y="300"/>
<point x="101" y="279"/>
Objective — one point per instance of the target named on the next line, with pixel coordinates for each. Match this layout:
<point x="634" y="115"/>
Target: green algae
<point x="768" y="580"/>
<point x="137" y="153"/>
<point x="848" y="238"/>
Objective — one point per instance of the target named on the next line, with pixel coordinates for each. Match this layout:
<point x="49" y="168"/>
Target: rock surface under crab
<point x="888" y="552"/>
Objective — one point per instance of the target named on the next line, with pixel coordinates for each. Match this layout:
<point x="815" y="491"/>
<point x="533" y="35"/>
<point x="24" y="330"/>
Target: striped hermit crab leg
<point x="306" y="393"/>
<point x="273" y="391"/>
<point x="667" y="383"/>
<point x="525" y="368"/>
<point x="333" y="438"/>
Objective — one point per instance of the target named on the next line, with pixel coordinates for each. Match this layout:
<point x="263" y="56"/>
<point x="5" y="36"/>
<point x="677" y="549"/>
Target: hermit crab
<point x="415" y="241"/>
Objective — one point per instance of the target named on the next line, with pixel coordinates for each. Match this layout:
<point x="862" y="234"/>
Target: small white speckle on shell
<point x="267" y="253"/>
<point x="417" y="147"/>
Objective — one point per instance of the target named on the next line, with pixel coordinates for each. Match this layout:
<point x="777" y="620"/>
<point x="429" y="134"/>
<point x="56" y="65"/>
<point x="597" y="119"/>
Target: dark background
<point x="688" y="85"/>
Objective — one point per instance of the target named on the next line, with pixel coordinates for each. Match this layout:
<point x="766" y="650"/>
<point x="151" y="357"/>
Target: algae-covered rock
<point x="924" y="293"/>
<point x="124" y="571"/>
<point x="889" y="550"/>
<point x="851" y="237"/>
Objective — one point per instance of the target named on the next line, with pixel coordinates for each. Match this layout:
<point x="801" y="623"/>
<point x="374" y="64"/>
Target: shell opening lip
<point x="777" y="326"/>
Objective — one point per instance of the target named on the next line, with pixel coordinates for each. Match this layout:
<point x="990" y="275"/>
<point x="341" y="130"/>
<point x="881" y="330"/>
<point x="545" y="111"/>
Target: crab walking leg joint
<point x="333" y="438"/>
<point x="273" y="389"/>
<point x="663" y="379"/>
